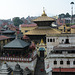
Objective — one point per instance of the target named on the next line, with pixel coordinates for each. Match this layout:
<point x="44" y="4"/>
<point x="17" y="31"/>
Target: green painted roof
<point x="17" y="43"/>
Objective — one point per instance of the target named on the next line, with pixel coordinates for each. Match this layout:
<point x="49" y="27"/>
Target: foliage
<point x="64" y="15"/>
<point x="17" y="21"/>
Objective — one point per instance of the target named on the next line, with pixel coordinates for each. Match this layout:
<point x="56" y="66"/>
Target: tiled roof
<point x="44" y="18"/>
<point x="73" y="26"/>
<point x="28" y="25"/>
<point x="2" y="37"/>
<point x="63" y="69"/>
<point x="17" y="43"/>
<point x="42" y="31"/>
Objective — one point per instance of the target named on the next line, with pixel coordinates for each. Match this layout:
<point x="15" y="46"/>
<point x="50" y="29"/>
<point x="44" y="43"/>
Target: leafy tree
<point x="17" y="21"/>
<point x="67" y="15"/>
<point x="61" y="15"/>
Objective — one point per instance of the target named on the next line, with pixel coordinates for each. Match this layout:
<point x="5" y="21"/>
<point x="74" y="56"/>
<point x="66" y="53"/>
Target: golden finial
<point x="42" y="41"/>
<point x="37" y="43"/>
<point x="11" y="73"/>
<point x="4" y="62"/>
<point x="44" y="14"/>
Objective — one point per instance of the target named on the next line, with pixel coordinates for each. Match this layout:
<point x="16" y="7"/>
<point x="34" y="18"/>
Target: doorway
<point x="42" y="50"/>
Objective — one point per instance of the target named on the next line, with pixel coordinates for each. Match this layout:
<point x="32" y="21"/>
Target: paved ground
<point x="40" y="65"/>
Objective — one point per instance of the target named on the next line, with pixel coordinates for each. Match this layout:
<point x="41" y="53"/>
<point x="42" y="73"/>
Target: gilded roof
<point x="44" y="31"/>
<point x="44" y="18"/>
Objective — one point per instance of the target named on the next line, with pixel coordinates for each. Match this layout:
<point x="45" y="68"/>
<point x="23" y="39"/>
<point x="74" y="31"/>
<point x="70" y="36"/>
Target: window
<point x="53" y="40"/>
<point x="50" y="40"/>
<point x="55" y="62"/>
<point x="61" y="62"/>
<point x="68" y="62"/>
<point x="67" y="41"/>
<point x="64" y="29"/>
<point x="26" y="31"/>
<point x="73" y="62"/>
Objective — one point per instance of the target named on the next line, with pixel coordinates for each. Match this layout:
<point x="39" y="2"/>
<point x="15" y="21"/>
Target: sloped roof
<point x="8" y="31"/>
<point x="2" y="37"/>
<point x="17" y="43"/>
<point x="43" y="31"/>
<point x="73" y="26"/>
<point x="28" y="25"/>
<point x="44" y="18"/>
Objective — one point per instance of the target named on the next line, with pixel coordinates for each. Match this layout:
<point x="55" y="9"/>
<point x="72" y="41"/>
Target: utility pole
<point x="72" y="3"/>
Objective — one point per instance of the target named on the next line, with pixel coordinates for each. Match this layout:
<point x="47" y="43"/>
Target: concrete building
<point x="60" y="54"/>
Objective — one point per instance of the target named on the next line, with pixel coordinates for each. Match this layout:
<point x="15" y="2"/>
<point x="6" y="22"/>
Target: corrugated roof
<point x="17" y="43"/>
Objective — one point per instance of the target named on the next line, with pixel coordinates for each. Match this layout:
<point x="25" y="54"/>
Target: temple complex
<point x="19" y="51"/>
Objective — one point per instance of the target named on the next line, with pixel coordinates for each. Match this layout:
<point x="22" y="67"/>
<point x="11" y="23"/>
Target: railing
<point x="15" y="59"/>
<point x="61" y="55"/>
<point x="66" y="45"/>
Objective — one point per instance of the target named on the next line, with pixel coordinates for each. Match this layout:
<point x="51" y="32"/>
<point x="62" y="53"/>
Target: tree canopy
<point x="17" y="21"/>
<point x="64" y="15"/>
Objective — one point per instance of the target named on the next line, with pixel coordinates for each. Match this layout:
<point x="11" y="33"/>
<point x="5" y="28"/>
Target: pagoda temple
<point x="43" y="27"/>
<point x="21" y="52"/>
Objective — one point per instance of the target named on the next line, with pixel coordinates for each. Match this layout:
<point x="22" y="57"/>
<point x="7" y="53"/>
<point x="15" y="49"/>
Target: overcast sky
<point x="24" y="8"/>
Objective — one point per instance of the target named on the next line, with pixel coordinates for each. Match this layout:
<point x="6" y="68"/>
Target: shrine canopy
<point x="17" y="43"/>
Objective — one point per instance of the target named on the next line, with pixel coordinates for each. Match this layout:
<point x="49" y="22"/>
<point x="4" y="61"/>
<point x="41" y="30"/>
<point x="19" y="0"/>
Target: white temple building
<point x="60" y="58"/>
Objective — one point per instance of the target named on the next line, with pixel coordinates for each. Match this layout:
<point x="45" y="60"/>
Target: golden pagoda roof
<point x="44" y="17"/>
<point x="44" y="31"/>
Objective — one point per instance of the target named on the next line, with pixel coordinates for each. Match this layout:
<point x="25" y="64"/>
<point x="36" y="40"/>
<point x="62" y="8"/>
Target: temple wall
<point x="31" y="65"/>
<point x="51" y="64"/>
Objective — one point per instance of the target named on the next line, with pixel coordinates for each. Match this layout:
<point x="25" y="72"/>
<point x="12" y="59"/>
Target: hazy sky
<point x="23" y="8"/>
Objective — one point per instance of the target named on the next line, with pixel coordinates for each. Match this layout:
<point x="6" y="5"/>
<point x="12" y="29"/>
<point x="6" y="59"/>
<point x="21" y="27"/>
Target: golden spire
<point x="44" y="14"/>
<point x="37" y="43"/>
<point x="42" y="41"/>
<point x="4" y="62"/>
<point x="11" y="73"/>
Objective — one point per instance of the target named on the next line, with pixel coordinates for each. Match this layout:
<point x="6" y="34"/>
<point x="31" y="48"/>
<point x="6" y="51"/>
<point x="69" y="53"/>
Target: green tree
<point x="17" y="21"/>
<point x="67" y="15"/>
<point x="61" y="15"/>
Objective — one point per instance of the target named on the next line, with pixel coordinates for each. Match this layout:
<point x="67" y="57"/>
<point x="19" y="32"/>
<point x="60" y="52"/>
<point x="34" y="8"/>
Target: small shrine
<point x="27" y="71"/>
<point x="41" y="49"/>
<point x="18" y="70"/>
<point x="5" y="69"/>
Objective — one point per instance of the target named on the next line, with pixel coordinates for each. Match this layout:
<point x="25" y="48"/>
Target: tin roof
<point x="17" y="43"/>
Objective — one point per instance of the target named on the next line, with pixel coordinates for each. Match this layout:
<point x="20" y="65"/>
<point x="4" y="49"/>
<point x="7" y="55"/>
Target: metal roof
<point x="17" y="43"/>
<point x="8" y="31"/>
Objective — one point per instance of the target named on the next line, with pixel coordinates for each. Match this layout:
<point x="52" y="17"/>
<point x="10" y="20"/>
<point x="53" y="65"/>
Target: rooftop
<point x="17" y="43"/>
<point x="43" y="31"/>
<point x="2" y="37"/>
